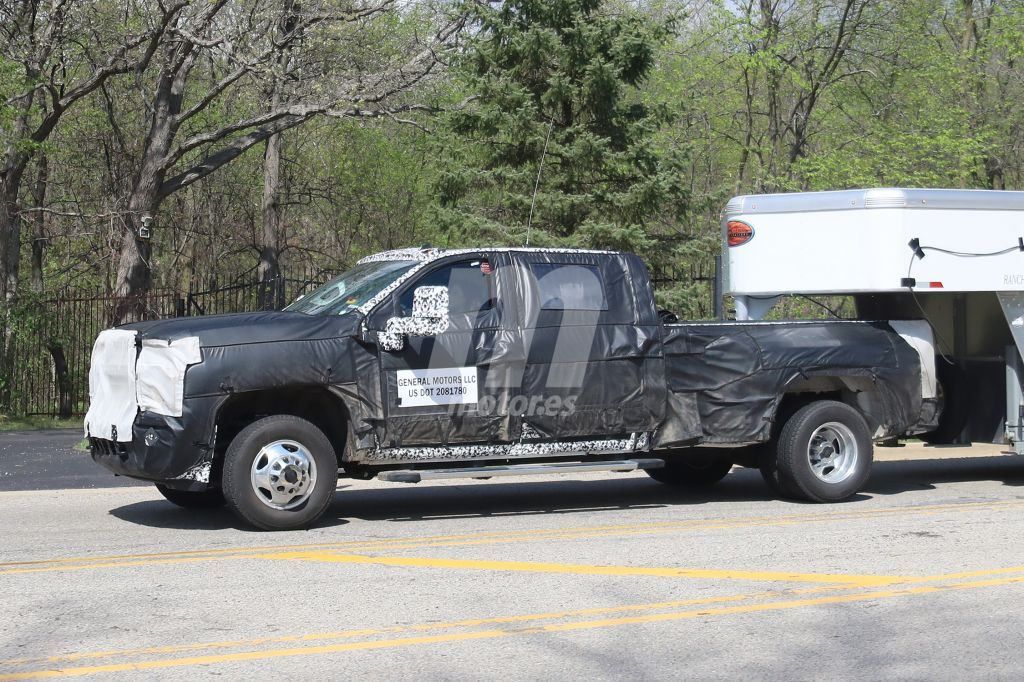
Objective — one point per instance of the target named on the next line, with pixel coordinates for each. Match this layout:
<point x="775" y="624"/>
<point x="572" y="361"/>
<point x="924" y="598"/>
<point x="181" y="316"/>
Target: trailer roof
<point x="883" y="197"/>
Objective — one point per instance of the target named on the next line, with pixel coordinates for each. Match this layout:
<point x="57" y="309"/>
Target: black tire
<point x="248" y="503"/>
<point x="954" y="401"/>
<point x="693" y="469"/>
<point x="203" y="499"/>
<point x="841" y="434"/>
<point x="768" y="465"/>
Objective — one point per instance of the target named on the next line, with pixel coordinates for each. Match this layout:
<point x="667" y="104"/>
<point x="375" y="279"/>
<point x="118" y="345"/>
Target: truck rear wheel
<point x="203" y="499"/>
<point x="693" y="469"/>
<point x="280" y="473"/>
<point x="768" y="463"/>
<point x="823" y="453"/>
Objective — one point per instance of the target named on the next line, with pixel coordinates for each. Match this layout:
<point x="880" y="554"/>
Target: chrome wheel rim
<point x="832" y="452"/>
<point x="283" y="474"/>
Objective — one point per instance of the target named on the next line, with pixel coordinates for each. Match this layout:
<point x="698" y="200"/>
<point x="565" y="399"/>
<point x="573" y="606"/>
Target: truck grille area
<point x="102" y="446"/>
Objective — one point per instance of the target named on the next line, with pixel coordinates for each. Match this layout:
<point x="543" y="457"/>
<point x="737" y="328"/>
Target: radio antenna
<point x="536" y="184"/>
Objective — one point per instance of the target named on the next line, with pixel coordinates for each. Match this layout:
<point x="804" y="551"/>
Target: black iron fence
<point x="51" y="340"/>
<point x="246" y="293"/>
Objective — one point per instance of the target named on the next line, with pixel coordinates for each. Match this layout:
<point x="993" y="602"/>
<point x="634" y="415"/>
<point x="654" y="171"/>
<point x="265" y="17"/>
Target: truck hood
<point x="142" y="366"/>
<point x="242" y="328"/>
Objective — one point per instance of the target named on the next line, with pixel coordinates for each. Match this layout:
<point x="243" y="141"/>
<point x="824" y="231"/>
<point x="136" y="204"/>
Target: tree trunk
<point x="60" y="369"/>
<point x="271" y="290"/>
<point x="39" y="240"/>
<point x="134" y="272"/>
<point x="10" y="236"/>
<point x="969" y="37"/>
<point x="10" y="246"/>
<point x="134" y="260"/>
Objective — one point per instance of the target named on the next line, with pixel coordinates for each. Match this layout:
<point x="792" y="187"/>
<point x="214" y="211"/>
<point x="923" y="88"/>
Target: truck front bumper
<point x="161" y="450"/>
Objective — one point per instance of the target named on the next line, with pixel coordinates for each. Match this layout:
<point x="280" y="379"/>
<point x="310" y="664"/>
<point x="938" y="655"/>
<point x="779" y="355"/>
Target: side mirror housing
<point x="429" y="318"/>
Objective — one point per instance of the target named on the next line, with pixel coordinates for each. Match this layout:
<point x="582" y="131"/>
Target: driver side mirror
<point x="429" y="318"/>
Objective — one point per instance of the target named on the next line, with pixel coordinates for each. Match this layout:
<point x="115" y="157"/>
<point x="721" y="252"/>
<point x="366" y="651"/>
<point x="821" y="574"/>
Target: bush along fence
<point x="51" y="337"/>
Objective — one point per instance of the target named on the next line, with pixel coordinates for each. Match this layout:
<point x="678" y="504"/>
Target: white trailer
<point x="952" y="257"/>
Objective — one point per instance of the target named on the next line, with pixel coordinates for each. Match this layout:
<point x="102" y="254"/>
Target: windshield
<point x="351" y="289"/>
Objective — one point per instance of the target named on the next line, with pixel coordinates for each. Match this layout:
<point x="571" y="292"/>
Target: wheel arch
<point x="858" y="390"/>
<point x="316" y="404"/>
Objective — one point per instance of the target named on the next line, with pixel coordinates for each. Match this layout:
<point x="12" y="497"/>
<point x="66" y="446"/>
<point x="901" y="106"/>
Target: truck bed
<point x="737" y="375"/>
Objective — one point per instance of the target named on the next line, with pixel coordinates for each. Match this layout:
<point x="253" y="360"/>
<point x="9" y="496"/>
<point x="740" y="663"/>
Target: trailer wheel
<point x="280" y="473"/>
<point x="823" y="453"/>
<point x="203" y="499"/>
<point x="693" y="469"/>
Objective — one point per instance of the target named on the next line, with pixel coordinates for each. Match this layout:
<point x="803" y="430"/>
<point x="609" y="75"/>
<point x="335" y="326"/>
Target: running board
<point x="415" y="476"/>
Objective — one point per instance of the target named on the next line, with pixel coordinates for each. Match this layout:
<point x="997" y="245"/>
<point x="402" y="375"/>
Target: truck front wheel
<point x="280" y="473"/>
<point x="693" y="469"/>
<point x="823" y="453"/>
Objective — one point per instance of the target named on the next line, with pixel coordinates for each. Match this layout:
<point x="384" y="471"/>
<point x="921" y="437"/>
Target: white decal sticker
<point x="423" y="387"/>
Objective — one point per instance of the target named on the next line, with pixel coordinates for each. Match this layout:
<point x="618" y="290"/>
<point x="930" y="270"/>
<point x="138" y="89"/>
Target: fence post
<point x="717" y="290"/>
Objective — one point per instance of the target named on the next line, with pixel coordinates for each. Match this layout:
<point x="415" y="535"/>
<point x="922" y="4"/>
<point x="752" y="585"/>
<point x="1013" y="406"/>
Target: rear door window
<point x="564" y="286"/>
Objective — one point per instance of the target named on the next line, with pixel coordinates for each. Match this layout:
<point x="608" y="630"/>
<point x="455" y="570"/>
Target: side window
<point x="564" y="286"/>
<point x="470" y="285"/>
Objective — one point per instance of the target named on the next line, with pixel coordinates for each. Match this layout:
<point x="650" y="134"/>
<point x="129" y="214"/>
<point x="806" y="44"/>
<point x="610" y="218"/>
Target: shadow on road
<point x="892" y="478"/>
<point x="470" y="500"/>
<point x="159" y="513"/>
<point x="576" y="497"/>
<point x="162" y="514"/>
<point x="557" y="496"/>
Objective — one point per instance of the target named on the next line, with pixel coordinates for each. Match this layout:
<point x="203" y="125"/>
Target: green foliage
<point x="11" y="83"/>
<point x="655" y="121"/>
<point x="557" y="94"/>
<point x="371" y="192"/>
<point x="30" y="330"/>
<point x="37" y="423"/>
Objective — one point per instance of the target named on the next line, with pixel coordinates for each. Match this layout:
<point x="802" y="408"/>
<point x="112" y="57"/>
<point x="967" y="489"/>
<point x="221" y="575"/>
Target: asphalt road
<point x="591" y="576"/>
<point x="48" y="460"/>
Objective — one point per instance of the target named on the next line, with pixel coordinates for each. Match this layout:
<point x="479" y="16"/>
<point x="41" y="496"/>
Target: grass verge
<point x="36" y="423"/>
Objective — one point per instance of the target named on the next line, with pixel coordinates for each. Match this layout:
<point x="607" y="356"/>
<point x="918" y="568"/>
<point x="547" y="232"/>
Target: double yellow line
<point x="489" y="628"/>
<point x="473" y="539"/>
<point x="828" y="589"/>
<point x="843" y="579"/>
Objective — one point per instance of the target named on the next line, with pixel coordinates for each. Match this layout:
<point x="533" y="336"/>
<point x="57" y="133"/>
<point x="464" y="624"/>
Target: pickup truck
<point x="422" y="364"/>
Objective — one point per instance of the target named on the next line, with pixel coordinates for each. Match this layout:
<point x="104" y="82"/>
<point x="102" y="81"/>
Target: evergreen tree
<point x="556" y="87"/>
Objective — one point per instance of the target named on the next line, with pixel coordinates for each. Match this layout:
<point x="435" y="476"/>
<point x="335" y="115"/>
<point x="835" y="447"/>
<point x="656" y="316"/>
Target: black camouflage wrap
<point x="639" y="384"/>
<point x="738" y="373"/>
<point x="612" y="358"/>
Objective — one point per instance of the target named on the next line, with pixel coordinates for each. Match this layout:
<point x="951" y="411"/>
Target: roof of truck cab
<point x="879" y="197"/>
<point x="427" y="253"/>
